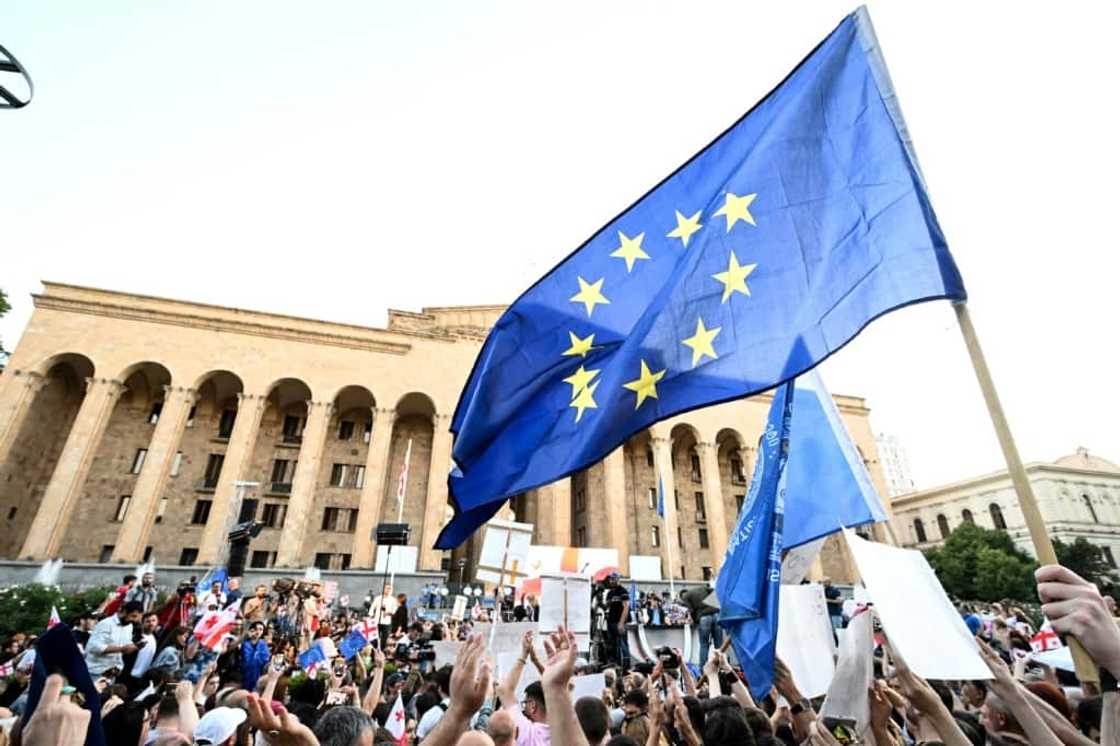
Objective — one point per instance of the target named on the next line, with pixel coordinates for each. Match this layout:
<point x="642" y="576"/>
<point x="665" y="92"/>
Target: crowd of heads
<point x="155" y="680"/>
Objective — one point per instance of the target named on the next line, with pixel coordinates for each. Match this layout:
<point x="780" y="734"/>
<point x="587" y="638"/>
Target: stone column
<point x="614" y="487"/>
<point x="713" y="503"/>
<point x="235" y="468"/>
<point x="133" y="536"/>
<point x="373" y="489"/>
<point x="290" y="551"/>
<point x="435" y="505"/>
<point x="15" y="403"/>
<point x="663" y="462"/>
<point x="57" y="505"/>
<point x="554" y="513"/>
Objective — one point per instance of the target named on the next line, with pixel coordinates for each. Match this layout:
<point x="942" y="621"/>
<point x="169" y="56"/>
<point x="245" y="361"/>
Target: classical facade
<point x="1078" y="496"/>
<point x="896" y="465"/>
<point x="127" y="421"/>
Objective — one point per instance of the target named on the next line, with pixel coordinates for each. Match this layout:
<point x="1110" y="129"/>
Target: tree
<point x="979" y="564"/>
<point x="1086" y="560"/>
<point x="26" y="608"/>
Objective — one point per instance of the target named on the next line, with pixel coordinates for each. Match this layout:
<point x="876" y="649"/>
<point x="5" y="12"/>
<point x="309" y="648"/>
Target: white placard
<point x="505" y="544"/>
<point x="847" y="695"/>
<point x="529" y="673"/>
<point x="591" y="685"/>
<point x="565" y="599"/>
<point x="805" y="640"/>
<point x="403" y="559"/>
<point x="459" y="608"/>
<point x="507" y="635"/>
<point x="923" y="627"/>
<point x="644" y="568"/>
<point x="799" y="560"/>
<point x="446" y="651"/>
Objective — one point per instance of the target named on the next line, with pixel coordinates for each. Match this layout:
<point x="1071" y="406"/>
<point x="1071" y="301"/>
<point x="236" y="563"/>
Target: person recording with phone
<point x="111" y="638"/>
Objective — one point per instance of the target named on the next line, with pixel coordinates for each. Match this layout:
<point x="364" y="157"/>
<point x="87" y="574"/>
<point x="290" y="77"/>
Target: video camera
<point x="669" y="659"/>
<point x="415" y="652"/>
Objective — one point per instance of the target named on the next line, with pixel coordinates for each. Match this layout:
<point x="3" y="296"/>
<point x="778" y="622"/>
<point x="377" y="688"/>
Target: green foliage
<point x="980" y="564"/>
<point x="26" y="608"/>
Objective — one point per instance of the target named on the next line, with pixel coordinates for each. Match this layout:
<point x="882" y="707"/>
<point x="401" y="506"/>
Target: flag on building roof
<point x="761" y="256"/>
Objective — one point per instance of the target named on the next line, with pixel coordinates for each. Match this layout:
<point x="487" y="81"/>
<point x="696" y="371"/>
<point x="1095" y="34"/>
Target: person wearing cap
<point x="222" y="726"/>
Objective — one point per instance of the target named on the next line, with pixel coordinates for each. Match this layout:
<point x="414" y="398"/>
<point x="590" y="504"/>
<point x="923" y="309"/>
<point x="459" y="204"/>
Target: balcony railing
<point x="208" y="484"/>
<point x="291" y="439"/>
<point x="281" y="488"/>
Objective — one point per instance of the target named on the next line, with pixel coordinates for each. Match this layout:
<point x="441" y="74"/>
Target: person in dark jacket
<point x="400" y="616"/>
<point x="705" y="617"/>
<point x="255" y="656"/>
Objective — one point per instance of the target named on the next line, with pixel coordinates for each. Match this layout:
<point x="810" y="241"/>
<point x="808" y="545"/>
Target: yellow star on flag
<point x="590" y="294"/>
<point x="630" y="249"/>
<point x="701" y="342"/>
<point x="645" y="386"/>
<point x="736" y="208"/>
<point x="585" y="400"/>
<point x="580" y="379"/>
<point x="735" y="278"/>
<point x="685" y="227"/>
<point x="579" y="346"/>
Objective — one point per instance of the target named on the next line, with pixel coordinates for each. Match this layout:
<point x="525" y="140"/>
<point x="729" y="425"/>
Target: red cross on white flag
<point x="395" y="723"/>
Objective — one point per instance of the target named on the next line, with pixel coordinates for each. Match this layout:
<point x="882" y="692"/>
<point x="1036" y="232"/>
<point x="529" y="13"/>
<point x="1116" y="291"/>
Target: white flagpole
<point x="668" y="534"/>
<point x="402" y="484"/>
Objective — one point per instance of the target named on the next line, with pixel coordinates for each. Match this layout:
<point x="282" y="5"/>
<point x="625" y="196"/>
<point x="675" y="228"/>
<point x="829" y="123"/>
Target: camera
<point x="417" y="652"/>
<point x="668" y="658"/>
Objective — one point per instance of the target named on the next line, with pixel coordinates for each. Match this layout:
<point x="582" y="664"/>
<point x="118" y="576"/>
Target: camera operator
<point x="415" y="649"/>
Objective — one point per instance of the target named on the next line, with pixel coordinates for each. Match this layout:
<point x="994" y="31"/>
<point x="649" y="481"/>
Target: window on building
<point x="338" y="475"/>
<point x="352" y="520"/>
<point x="357" y="477"/>
<point x="106" y="553"/>
<point x="943" y="525"/>
<point x="225" y="423"/>
<point x="259" y="559"/>
<point x="695" y="460"/>
<point x="653" y="498"/>
<point x="201" y="512"/>
<point x="706" y="572"/>
<point x="684" y="575"/>
<point x="997" y="517"/>
<point x="213" y="470"/>
<point x="677" y="500"/>
<point x="190" y="416"/>
<point x="272" y="515"/>
<point x="649" y="457"/>
<point x="177" y="463"/>
<point x="737" y="475"/>
<point x="293" y="429"/>
<point x="581" y="501"/>
<point x="147" y="554"/>
<point x="739" y="500"/>
<point x="138" y="460"/>
<point x="279" y="471"/>
<point x="1107" y="552"/>
<point x="966" y="516"/>
<point x="367" y="432"/>
<point x="680" y="538"/>
<point x="122" y="507"/>
<point x="1092" y="511"/>
<point x="157" y="410"/>
<point x="581" y="536"/>
<point x="344" y="562"/>
<point x="704" y="539"/>
<point x="323" y="560"/>
<point x="700" y="514"/>
<point x="330" y="519"/>
<point x="188" y="556"/>
<point x="919" y="531"/>
<point x="12" y="512"/>
<point x="340" y="519"/>
<point x="161" y="509"/>
<point x="346" y="430"/>
<point x="655" y="536"/>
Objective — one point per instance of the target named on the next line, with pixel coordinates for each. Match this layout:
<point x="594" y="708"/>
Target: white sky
<point x="337" y="159"/>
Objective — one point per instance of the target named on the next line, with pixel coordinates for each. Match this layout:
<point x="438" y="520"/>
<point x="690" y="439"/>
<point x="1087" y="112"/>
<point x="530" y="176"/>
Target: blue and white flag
<point x="311" y="659"/>
<point x="213" y="575"/>
<point x="749" y="582"/>
<point x="827" y="484"/>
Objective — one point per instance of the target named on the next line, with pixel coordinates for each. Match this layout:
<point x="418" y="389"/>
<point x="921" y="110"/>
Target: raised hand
<point x="57" y="721"/>
<point x="1075" y="607"/>
<point x="470" y="676"/>
<point x="560" y="648"/>
<point x="283" y="729"/>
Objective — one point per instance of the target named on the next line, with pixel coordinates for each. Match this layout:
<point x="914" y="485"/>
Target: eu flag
<point x="757" y="259"/>
<point x="749" y="582"/>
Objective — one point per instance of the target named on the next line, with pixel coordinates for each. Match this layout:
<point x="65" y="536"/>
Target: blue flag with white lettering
<point x="749" y="582"/>
<point x="827" y="484"/>
<point x="761" y="256"/>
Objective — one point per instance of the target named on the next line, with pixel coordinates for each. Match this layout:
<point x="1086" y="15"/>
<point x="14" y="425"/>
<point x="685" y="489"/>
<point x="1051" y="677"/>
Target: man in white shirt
<point x="111" y="638"/>
<point x="149" y="624"/>
<point x="382" y="610"/>
<point x="213" y="599"/>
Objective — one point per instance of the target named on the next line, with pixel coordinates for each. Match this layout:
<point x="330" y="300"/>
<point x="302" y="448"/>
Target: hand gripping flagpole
<point x="1086" y="668"/>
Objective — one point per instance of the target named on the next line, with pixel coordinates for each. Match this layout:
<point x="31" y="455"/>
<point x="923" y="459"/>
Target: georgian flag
<point x="214" y="626"/>
<point x="368" y="628"/>
<point x="396" y="723"/>
<point x="1046" y="639"/>
<point x="54" y="618"/>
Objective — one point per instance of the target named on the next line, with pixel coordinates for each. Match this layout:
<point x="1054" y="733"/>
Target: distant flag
<point x="476" y="611"/>
<point x="661" y="496"/>
<point x="311" y="659"/>
<point x="402" y="483"/>
<point x="213" y="575"/>
<point x="396" y="723"/>
<point x="1046" y="639"/>
<point x="827" y="483"/>
<point x="54" y="619"/>
<point x="352" y="644"/>
<point x="214" y="626"/>
<point x="749" y="582"/>
<point x="368" y="628"/>
<point x="693" y="296"/>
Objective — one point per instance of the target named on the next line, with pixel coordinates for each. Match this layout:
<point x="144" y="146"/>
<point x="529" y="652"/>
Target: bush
<point x="27" y="608"/>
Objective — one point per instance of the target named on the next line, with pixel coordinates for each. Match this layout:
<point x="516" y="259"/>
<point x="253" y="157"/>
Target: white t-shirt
<point x="431" y="717"/>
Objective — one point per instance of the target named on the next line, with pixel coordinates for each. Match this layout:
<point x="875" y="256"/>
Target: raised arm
<point x="508" y="690"/>
<point x="562" y="722"/>
<point x="470" y="682"/>
<point x="1005" y="687"/>
<point x="373" y="694"/>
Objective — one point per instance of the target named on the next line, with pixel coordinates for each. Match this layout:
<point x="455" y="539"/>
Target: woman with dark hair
<point x="169" y="657"/>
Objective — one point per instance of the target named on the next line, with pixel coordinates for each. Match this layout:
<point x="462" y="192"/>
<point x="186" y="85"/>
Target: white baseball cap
<point x="218" y="725"/>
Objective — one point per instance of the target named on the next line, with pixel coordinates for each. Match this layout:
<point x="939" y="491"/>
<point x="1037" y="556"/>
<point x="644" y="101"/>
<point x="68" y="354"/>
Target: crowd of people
<point x="158" y="677"/>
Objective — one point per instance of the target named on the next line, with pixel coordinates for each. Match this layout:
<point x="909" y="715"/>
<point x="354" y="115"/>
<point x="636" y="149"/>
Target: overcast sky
<point x="336" y="159"/>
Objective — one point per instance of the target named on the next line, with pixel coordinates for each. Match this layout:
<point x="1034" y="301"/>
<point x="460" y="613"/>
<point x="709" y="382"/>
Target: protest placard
<point x="505" y="552"/>
<point x="847" y="694"/>
<point x="805" y="640"/>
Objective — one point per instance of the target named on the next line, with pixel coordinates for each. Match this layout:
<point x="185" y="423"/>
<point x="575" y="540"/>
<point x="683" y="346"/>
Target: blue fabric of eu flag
<point x="749" y="582"/>
<point x="754" y="261"/>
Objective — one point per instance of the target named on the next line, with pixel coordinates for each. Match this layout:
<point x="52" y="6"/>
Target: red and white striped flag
<point x="402" y="484"/>
<point x="54" y="618"/>
<point x="396" y="724"/>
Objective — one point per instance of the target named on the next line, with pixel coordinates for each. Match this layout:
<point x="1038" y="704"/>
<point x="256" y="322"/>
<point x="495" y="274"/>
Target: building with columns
<point x="1078" y="496"/>
<point x="126" y="420"/>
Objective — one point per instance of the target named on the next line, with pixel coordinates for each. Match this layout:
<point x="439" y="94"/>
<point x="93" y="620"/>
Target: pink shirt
<point x="530" y="733"/>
